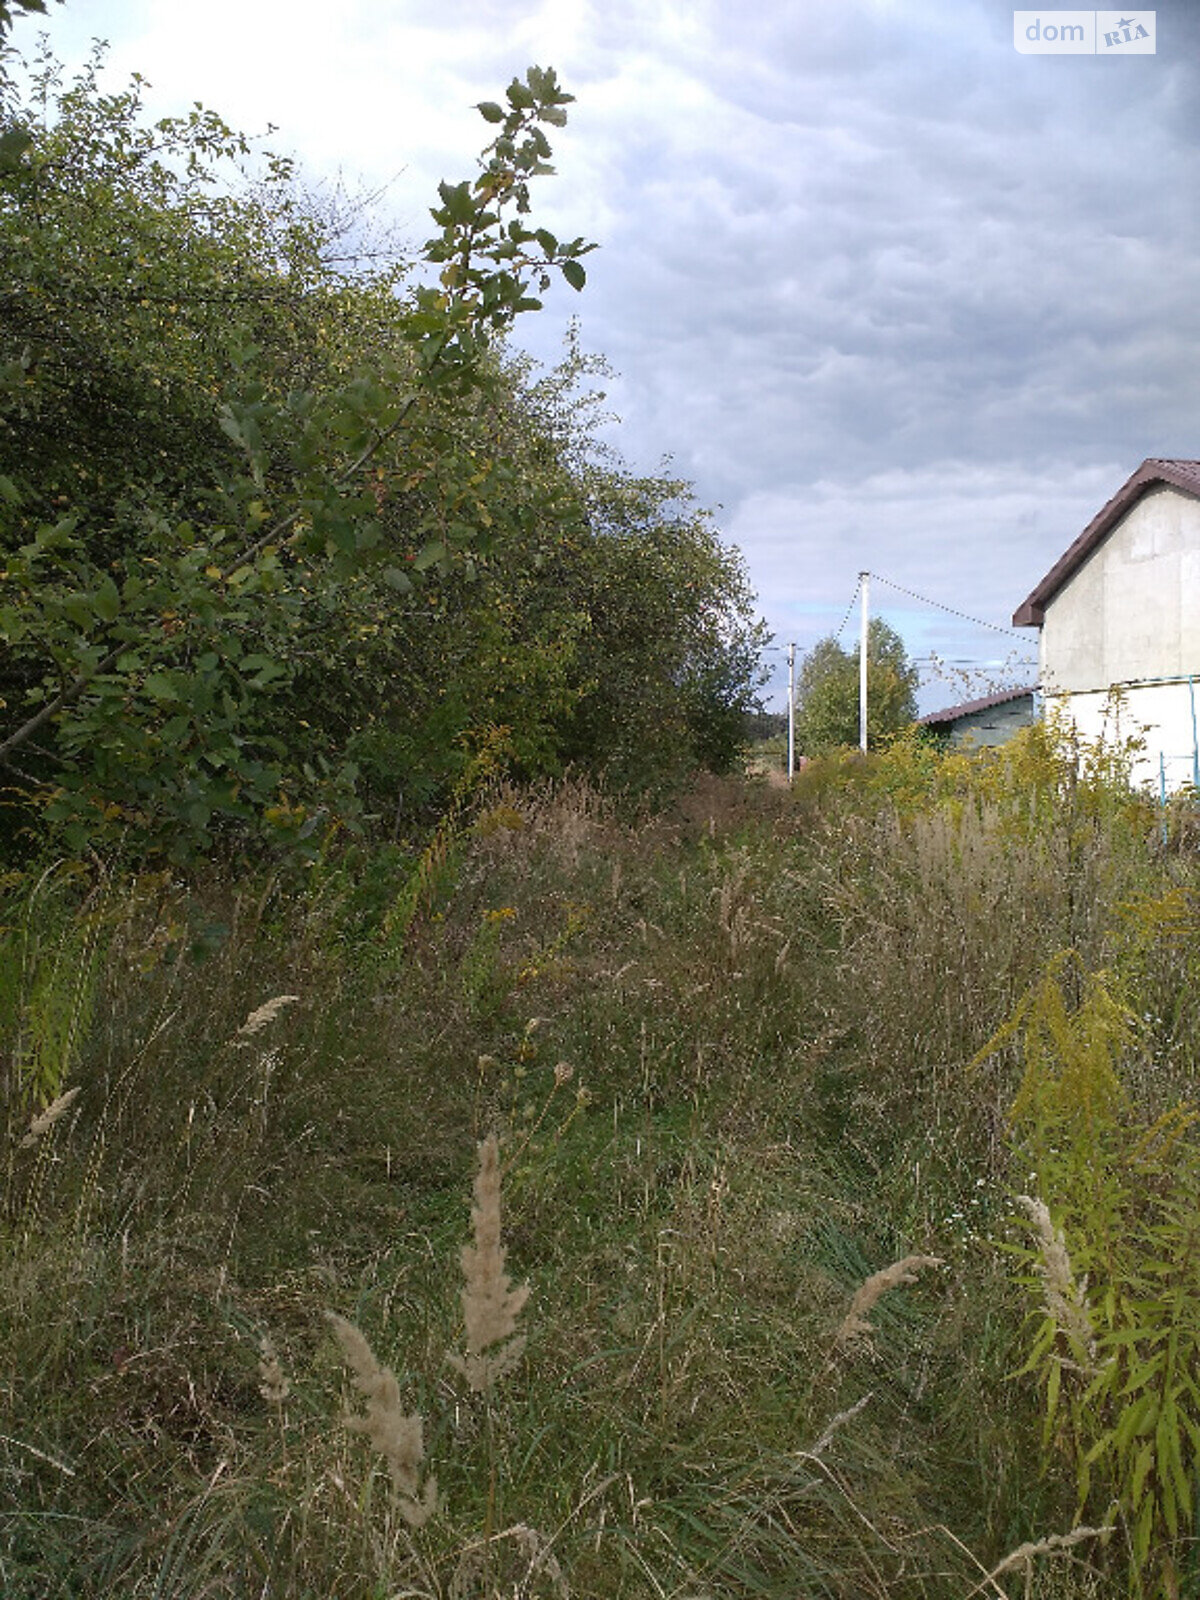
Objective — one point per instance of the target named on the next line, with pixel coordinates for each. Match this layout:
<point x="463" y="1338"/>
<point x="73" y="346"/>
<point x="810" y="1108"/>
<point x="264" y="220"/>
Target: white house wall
<point x="1132" y="610"/>
<point x="1160" y="717"/>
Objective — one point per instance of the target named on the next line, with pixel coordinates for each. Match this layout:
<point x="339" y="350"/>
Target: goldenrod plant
<point x="1116" y="1258"/>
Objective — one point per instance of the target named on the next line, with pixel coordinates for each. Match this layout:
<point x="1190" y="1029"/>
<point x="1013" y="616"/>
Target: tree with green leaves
<point x="609" y="630"/>
<point x="211" y="432"/>
<point x="286" y="539"/>
<point x="827" y="692"/>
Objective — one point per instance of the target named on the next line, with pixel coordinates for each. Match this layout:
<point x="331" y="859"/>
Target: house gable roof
<point x="1177" y="474"/>
<point x="936" y="719"/>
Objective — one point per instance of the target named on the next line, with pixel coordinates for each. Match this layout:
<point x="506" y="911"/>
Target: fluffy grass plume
<point x="45" y="1120"/>
<point x="1066" y="1297"/>
<point x="264" y="1014"/>
<point x="517" y="1561"/>
<point x="857" y="1326"/>
<point x="490" y="1303"/>
<point x="1023" y="1556"/>
<point x="273" y="1385"/>
<point x="398" y="1437"/>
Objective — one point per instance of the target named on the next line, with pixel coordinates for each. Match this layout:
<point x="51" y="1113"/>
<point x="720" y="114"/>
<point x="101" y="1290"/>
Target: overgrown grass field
<point x="742" y="1059"/>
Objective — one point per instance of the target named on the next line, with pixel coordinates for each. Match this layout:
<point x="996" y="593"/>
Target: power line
<point x="850" y="607"/>
<point x="970" y="661"/>
<point x="938" y="605"/>
<point x="950" y="610"/>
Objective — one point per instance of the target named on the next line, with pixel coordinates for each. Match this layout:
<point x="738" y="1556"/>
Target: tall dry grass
<point x="726" y="1054"/>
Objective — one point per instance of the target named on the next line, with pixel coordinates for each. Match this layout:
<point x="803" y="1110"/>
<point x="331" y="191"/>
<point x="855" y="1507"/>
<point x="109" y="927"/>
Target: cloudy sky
<point x="893" y="295"/>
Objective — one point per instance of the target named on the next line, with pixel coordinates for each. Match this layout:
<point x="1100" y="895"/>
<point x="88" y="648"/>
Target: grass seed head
<point x="856" y="1325"/>
<point x="46" y="1119"/>
<point x="264" y="1014"/>
<point x="397" y="1436"/>
<point x="1065" y="1295"/>
<point x="273" y="1382"/>
<point x="490" y="1303"/>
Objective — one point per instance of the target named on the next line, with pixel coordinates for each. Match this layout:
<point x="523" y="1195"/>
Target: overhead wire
<point x="952" y="611"/>
<point x="850" y="607"/>
<point x="939" y="605"/>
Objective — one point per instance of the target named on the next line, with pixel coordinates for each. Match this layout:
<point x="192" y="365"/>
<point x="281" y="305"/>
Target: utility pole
<point x="791" y="710"/>
<point x="864" y="583"/>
